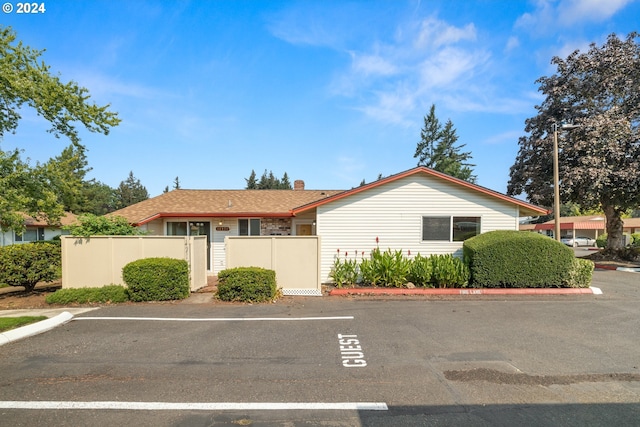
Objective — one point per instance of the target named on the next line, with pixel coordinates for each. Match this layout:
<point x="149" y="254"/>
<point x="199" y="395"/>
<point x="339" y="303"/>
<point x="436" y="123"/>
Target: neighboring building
<point x="37" y="230"/>
<point x="590" y="226"/>
<point x="419" y="210"/>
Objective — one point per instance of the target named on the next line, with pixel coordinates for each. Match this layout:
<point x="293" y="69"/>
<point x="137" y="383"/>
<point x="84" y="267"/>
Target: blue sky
<point x="331" y="92"/>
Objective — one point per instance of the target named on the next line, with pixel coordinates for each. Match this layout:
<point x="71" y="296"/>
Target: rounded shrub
<point x="516" y="259"/>
<point x="247" y="284"/>
<point x="157" y="279"/>
<point x="601" y="240"/>
<point x="29" y="263"/>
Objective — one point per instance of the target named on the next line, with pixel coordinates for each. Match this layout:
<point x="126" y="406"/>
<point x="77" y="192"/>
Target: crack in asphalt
<point x="499" y="377"/>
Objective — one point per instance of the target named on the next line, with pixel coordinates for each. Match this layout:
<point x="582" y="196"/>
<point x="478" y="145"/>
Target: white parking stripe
<point x="211" y="406"/>
<point x="218" y="319"/>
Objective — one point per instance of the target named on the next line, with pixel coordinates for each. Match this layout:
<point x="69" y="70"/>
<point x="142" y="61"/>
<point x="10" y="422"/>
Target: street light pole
<point x="556" y="178"/>
<point x="556" y="185"/>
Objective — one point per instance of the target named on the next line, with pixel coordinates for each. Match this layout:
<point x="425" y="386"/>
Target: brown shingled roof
<point x="67" y="219"/>
<point x="221" y="203"/>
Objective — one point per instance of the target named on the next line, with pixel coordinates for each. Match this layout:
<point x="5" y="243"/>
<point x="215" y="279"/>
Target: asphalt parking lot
<point x="552" y="360"/>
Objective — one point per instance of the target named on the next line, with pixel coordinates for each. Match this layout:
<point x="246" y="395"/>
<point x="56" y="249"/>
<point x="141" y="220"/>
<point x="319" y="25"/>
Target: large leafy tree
<point x="130" y="191"/>
<point x="26" y="81"/>
<point x="437" y="149"/>
<point x="24" y="190"/>
<point x="599" y="91"/>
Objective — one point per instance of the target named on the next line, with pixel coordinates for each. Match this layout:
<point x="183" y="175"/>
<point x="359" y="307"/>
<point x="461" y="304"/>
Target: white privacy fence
<point x="295" y="259"/>
<point x="98" y="261"/>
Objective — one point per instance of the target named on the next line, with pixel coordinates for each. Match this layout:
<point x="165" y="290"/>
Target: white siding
<point x="393" y="212"/>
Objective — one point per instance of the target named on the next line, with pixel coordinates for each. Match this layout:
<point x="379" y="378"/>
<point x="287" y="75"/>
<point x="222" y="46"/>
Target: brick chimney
<point x="298" y="184"/>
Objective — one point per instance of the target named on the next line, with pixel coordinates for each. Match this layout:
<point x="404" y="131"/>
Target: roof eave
<point x="213" y="215"/>
<point x="421" y="169"/>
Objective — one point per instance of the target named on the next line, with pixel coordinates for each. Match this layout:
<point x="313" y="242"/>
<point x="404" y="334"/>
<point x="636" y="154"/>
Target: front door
<point x="303" y="230"/>
<point x="202" y="228"/>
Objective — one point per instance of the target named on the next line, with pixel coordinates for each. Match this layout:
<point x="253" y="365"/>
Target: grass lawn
<point x="7" y="323"/>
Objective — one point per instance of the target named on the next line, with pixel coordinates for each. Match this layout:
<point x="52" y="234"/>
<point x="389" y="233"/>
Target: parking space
<point x="413" y="356"/>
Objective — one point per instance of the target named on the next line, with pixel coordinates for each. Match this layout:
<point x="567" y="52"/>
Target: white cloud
<point x="426" y="60"/>
<point x="549" y="16"/>
<point x="372" y="64"/>
<point x="435" y="33"/>
<point x="576" y="11"/>
<point x="512" y="43"/>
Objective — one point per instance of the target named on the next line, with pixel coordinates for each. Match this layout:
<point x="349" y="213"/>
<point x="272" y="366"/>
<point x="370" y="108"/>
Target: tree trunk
<point x="615" y="225"/>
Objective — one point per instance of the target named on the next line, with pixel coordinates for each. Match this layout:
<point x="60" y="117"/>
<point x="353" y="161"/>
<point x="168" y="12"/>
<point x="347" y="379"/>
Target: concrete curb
<point x="458" y="291"/>
<point x="35" y="328"/>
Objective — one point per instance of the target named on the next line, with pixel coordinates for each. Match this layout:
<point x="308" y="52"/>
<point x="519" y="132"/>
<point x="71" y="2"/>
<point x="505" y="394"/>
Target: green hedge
<point x="157" y="279"/>
<point x="29" y="263"/>
<point x="247" y="284"/>
<point x="515" y="259"/>
<point x="580" y="274"/>
<point x="106" y="294"/>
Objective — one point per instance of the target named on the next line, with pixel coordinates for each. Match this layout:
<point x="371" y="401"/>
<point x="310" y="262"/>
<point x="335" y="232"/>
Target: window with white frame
<point x="449" y="228"/>
<point x="30" y="235"/>
<point x="249" y="227"/>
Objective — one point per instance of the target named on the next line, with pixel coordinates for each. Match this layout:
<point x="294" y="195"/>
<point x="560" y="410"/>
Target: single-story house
<point x="419" y="210"/>
<point x="37" y="230"/>
<point x="590" y="226"/>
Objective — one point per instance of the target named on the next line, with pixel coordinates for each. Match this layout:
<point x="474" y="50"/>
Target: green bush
<point x="385" y="268"/>
<point x="29" y="263"/>
<point x="580" y="274"/>
<point x="449" y="271"/>
<point x="92" y="225"/>
<point x="344" y="272"/>
<point x="247" y="284"/>
<point x="106" y="294"/>
<point x="635" y="239"/>
<point x="421" y="271"/>
<point x="156" y="279"/>
<point x="515" y="259"/>
<point x="601" y="240"/>
<point x="392" y="269"/>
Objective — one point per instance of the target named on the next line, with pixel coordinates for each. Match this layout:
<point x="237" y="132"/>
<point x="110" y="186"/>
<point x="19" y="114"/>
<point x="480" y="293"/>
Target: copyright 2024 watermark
<point x="24" y="8"/>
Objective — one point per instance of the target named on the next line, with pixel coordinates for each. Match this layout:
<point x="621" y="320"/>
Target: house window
<point x="30" y="235"/>
<point x="249" y="227"/>
<point x="177" y="228"/>
<point x="450" y="229"/>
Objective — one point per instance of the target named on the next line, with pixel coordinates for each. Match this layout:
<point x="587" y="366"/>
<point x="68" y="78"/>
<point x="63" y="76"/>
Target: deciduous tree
<point x="26" y="81"/>
<point x="598" y="161"/>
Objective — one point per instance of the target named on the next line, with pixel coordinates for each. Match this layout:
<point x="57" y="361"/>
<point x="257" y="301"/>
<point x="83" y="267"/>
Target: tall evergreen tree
<point x="99" y="198"/>
<point x="176" y="183"/>
<point x="66" y="175"/>
<point x="130" y="191"/>
<point x="252" y="183"/>
<point x="437" y="149"/>
<point x="268" y="181"/>
<point x="285" y="184"/>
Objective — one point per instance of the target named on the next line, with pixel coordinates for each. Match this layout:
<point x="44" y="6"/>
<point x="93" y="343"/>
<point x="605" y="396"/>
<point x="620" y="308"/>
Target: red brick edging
<point x="459" y="291"/>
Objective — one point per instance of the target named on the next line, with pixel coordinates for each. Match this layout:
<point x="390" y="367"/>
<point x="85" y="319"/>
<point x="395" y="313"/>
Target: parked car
<point x="579" y="241"/>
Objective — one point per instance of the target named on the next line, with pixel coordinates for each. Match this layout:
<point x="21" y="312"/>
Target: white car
<point x="579" y="241"/>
